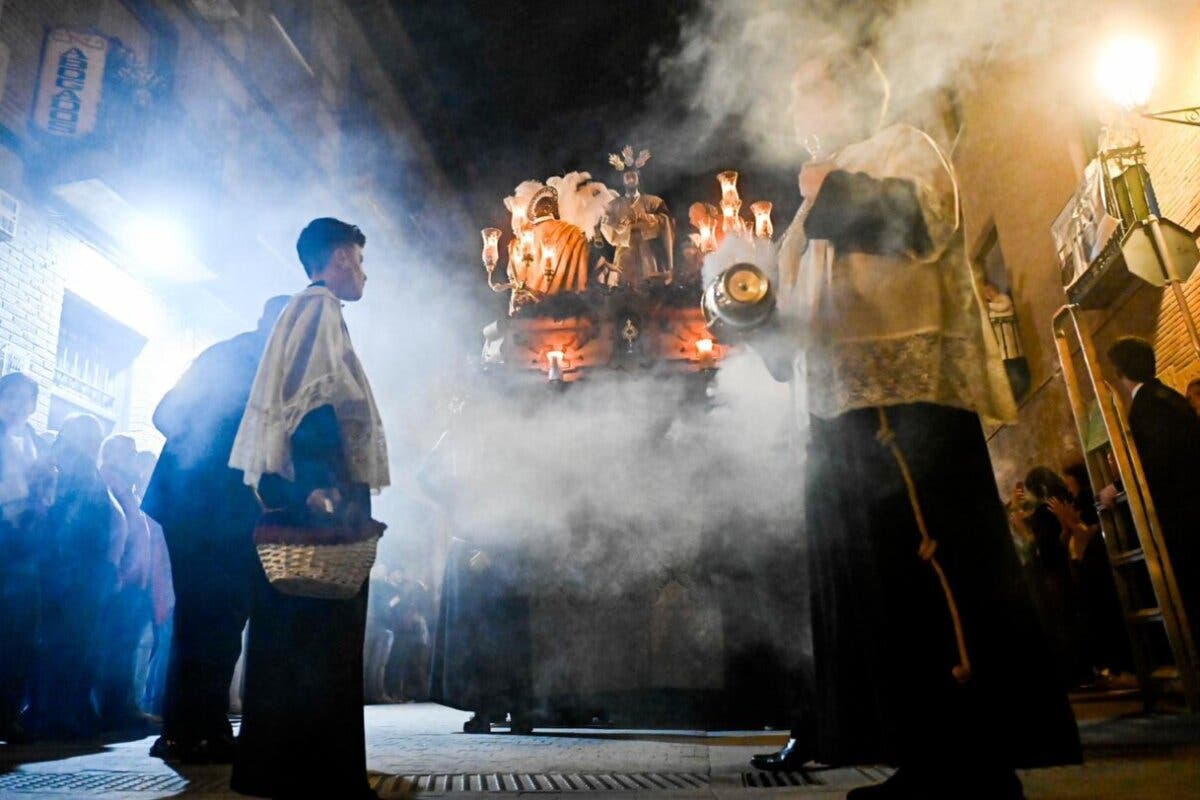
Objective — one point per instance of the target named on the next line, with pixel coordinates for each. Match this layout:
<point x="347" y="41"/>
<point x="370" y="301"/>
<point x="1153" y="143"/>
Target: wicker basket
<point x="329" y="571"/>
<point x="325" y="562"/>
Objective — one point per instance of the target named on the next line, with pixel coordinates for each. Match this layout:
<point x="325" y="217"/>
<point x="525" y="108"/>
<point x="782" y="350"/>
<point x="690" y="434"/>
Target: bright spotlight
<point x="157" y="242"/>
<point x="1126" y="71"/>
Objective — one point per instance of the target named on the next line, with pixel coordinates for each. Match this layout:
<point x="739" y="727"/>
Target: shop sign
<point x="70" y="83"/>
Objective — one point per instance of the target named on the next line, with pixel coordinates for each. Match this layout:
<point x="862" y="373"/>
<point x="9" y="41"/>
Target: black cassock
<point x="883" y="637"/>
<point x="482" y="652"/>
<point x="1167" y="434"/>
<point x="302" y="716"/>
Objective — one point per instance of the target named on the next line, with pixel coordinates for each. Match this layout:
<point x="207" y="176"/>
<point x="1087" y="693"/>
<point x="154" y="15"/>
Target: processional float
<point x="601" y="290"/>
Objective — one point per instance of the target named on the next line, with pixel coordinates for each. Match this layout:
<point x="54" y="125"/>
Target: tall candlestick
<point x="728" y="180"/>
<point x="763" y="228"/>
<point x="491" y="247"/>
<point x="708" y="236"/>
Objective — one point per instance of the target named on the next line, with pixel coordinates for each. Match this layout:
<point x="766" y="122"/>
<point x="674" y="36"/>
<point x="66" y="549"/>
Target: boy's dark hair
<point x="1133" y="358"/>
<point x="321" y="237"/>
<point x="18" y="380"/>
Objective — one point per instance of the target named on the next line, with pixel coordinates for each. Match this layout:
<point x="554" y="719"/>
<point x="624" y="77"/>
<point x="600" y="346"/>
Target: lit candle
<point x="763" y="228"/>
<point x="549" y="264"/>
<point x="519" y="220"/>
<point x="728" y="180"/>
<point x="491" y="247"/>
<point x="730" y="220"/>
<point x="526" y="244"/>
<point x="554" y="363"/>
<point x="704" y="348"/>
<point x="708" y="236"/>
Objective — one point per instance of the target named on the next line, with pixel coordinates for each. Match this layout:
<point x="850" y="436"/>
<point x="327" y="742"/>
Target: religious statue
<point x="640" y="228"/>
<point x="553" y="224"/>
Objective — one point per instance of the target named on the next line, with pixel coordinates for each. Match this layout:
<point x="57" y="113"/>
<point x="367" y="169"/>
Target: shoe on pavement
<point x="790" y="758"/>
<point x="219" y="750"/>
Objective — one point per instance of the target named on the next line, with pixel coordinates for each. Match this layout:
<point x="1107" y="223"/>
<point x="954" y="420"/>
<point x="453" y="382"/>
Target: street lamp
<point x="1155" y="249"/>
<point x="1126" y="71"/>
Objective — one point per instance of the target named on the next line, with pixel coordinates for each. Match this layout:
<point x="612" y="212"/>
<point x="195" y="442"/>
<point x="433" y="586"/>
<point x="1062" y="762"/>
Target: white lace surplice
<point x="884" y="330"/>
<point x="310" y="362"/>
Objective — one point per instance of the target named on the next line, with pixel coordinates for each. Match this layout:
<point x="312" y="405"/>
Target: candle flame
<point x="704" y="346"/>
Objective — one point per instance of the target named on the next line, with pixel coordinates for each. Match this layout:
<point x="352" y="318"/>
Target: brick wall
<point x="31" y="290"/>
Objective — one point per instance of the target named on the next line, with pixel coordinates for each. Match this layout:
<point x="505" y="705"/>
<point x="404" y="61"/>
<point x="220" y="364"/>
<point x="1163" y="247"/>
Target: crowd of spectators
<point x="1058" y="532"/>
<point x="86" y="598"/>
<point x="1056" y="519"/>
<point x="86" y="587"/>
<point x="398" y="638"/>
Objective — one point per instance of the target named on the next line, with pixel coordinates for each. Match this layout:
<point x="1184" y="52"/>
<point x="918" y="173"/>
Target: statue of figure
<point x="640" y="228"/>
<point x="562" y="216"/>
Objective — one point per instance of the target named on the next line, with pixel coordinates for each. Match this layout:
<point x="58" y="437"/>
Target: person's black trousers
<point x="20" y="596"/>
<point x="212" y="580"/>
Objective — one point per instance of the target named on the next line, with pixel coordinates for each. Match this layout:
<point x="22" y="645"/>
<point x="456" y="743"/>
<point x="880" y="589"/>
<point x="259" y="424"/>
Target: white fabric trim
<point x="310" y="362"/>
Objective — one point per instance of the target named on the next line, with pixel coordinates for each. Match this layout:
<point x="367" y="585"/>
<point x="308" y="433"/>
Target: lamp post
<point x="1166" y="255"/>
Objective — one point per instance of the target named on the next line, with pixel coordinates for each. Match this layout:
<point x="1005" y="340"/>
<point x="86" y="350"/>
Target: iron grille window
<point x="94" y="355"/>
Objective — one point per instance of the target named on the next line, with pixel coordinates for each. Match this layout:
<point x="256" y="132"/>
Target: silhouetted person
<point x="1105" y="640"/>
<point x="162" y="597"/>
<point x="1050" y="572"/>
<point x="20" y="506"/>
<point x="1167" y="433"/>
<point x="207" y="515"/>
<point x="1193" y="395"/>
<point x="312" y="443"/>
<point x="78" y="565"/>
<point x="127" y="611"/>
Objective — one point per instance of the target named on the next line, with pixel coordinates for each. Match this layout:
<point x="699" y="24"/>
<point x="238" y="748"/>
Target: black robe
<point x="482" y="652"/>
<point x="1167" y="433"/>
<point x="207" y="514"/>
<point x="302" y="716"/>
<point x="883" y="640"/>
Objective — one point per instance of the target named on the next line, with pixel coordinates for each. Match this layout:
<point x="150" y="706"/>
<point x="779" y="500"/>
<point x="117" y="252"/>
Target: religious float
<point x="607" y="575"/>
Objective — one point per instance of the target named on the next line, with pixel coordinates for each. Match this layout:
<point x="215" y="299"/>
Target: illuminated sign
<point x="70" y="82"/>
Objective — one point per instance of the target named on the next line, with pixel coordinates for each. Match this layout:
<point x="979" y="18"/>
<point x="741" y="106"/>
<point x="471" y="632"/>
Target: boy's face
<point x="345" y="276"/>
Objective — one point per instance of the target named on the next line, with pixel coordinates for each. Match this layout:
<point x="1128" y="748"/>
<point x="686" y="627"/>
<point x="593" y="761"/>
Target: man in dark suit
<point x="1167" y="433"/>
<point x="207" y="514"/>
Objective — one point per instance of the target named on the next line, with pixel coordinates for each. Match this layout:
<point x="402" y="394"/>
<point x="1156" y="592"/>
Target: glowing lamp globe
<point x="1126" y="71"/>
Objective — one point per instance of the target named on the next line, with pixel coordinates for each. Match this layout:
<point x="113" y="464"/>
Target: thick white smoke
<point x="738" y="58"/>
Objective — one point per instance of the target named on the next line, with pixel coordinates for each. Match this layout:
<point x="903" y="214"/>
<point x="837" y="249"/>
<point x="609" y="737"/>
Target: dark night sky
<point x="532" y="89"/>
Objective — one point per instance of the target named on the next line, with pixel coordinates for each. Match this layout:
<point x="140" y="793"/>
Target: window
<point x="91" y="372"/>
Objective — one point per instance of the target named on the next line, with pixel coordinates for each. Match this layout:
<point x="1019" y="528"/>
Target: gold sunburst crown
<point x="627" y="160"/>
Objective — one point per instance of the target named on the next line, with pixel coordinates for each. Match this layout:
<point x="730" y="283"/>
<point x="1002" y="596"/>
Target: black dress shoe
<point x="789" y="758"/>
<point x="218" y="750"/>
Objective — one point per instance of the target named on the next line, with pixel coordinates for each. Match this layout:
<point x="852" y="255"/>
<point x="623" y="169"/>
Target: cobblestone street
<point x="1129" y="755"/>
